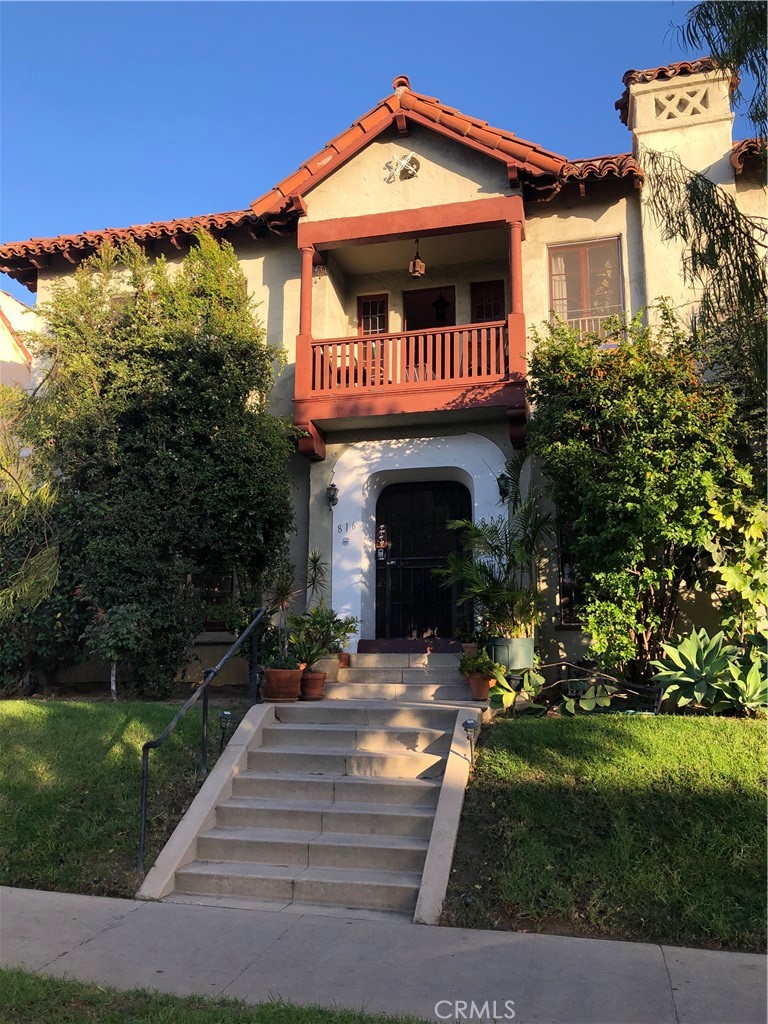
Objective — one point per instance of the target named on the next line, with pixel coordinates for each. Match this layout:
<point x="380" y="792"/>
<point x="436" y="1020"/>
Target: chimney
<point x="683" y="108"/>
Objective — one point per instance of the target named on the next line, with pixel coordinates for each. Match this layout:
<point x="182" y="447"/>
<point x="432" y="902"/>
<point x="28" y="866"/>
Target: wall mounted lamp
<point x="332" y="493"/>
<point x="505" y="486"/>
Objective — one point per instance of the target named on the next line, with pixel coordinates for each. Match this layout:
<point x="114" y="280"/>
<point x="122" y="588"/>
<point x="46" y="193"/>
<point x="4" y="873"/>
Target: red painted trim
<point x="435" y="220"/>
<point x="332" y="409"/>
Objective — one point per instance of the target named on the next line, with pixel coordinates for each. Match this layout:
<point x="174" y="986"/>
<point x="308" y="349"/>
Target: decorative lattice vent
<point x="671" y="106"/>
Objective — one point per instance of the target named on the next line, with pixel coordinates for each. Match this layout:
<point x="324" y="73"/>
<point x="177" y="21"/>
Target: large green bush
<point x="153" y="419"/>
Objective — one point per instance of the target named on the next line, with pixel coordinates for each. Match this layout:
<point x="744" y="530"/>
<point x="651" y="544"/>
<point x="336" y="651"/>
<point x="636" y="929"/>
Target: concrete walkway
<point x="377" y="966"/>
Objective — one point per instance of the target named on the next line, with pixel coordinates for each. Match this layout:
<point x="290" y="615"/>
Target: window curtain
<point x="559" y="287"/>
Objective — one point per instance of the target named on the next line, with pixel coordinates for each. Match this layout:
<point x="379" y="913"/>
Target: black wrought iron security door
<point x="413" y="539"/>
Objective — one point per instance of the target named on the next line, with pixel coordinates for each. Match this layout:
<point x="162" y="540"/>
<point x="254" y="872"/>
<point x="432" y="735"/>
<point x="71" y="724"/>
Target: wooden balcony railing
<point x="467" y="354"/>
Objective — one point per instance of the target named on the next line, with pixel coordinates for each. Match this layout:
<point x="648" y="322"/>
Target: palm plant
<point x="498" y="568"/>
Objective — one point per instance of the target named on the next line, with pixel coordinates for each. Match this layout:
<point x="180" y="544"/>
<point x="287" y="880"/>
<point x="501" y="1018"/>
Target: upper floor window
<point x="487" y="300"/>
<point x="585" y="283"/>
<point x="372" y="314"/>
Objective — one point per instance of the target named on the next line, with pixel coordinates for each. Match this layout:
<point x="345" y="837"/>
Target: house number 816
<point x="346" y="527"/>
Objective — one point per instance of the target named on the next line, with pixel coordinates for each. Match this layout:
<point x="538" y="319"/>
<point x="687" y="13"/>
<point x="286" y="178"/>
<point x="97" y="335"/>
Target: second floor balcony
<point x="442" y="336"/>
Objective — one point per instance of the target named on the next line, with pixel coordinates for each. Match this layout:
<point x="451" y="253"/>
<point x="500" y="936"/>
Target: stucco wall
<point x="448" y="173"/>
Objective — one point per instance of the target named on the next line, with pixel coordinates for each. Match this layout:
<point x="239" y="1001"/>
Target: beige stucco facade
<point x="15" y="360"/>
<point x="689" y="115"/>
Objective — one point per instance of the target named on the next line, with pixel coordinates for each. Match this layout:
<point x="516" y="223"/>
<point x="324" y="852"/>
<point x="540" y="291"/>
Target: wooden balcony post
<point x="516" y="265"/>
<point x="516" y="318"/>
<point x="305" y="311"/>
<point x="304" y="338"/>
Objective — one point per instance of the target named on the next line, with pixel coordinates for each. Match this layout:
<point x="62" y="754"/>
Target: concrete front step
<point x="339" y="761"/>
<point x="412" y="660"/>
<point x="384" y="714"/>
<point x="310" y="849"/>
<point x="339" y="788"/>
<point x="309" y="816"/>
<point x="374" y="890"/>
<point x="420" y="676"/>
<point x="405" y="693"/>
<point x="383" y="740"/>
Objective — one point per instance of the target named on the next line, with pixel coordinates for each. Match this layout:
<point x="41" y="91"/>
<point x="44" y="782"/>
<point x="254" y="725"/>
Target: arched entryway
<point x="412" y="540"/>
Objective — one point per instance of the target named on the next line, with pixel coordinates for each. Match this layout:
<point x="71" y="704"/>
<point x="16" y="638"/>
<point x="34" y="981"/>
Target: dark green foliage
<point x="724" y="256"/>
<point x="154" y="417"/>
<point x="630" y="439"/>
<point x="617" y="826"/>
<point x="734" y="33"/>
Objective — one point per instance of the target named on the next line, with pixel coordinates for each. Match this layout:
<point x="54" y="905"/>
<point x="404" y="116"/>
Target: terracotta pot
<point x="281" y="685"/>
<point x="344" y="659"/>
<point x="313" y="685"/>
<point x="479" y="686"/>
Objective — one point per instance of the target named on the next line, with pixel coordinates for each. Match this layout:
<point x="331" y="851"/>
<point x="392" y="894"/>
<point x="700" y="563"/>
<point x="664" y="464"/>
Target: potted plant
<point x="497" y="571"/>
<point x="312" y="681"/>
<point x="480" y="671"/>
<point x="282" y="679"/>
<point x="323" y="627"/>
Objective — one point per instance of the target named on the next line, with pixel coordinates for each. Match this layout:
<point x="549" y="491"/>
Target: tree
<point x="724" y="250"/>
<point x="154" y="419"/>
<point x="630" y="437"/>
<point x="734" y="33"/>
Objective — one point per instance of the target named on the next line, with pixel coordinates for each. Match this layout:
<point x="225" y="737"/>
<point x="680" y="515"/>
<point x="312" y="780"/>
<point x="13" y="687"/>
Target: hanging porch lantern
<point x="417" y="267"/>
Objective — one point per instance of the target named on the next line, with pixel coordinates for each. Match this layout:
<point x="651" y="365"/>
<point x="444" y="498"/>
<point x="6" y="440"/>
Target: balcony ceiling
<point x="435" y="250"/>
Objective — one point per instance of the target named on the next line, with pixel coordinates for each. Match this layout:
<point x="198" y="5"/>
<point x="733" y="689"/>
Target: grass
<point x="30" y="998"/>
<point x="69" y="791"/>
<point x="649" y="829"/>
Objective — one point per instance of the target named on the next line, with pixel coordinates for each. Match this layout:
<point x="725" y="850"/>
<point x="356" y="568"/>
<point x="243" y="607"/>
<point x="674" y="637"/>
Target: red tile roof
<point x="540" y="168"/>
<point x="419" y="109"/>
<point x="665" y="72"/>
<point x="747" y="150"/>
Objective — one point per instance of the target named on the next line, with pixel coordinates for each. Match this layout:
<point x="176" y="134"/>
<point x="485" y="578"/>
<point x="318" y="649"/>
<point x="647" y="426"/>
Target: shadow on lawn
<point x="648" y="830"/>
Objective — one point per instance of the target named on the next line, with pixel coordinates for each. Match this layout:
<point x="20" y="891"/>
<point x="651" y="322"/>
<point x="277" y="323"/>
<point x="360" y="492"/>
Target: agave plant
<point x="695" y="668"/>
<point x="747" y="687"/>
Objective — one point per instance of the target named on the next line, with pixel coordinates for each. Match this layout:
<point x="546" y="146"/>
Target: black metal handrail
<point x="202" y="691"/>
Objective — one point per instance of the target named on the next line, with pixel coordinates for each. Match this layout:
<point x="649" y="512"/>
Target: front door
<point x="413" y="539"/>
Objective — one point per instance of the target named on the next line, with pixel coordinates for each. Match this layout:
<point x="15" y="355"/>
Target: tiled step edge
<point x="181" y="848"/>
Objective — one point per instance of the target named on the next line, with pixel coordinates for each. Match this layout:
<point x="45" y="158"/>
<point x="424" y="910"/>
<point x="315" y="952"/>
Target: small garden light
<point x="470" y="728"/>
<point x="225" y="720"/>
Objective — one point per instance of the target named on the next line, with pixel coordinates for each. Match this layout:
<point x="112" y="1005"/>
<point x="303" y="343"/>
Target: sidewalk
<point x="376" y="966"/>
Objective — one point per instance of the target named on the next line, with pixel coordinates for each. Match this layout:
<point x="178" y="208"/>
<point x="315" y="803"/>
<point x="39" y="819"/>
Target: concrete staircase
<point x="402" y="677"/>
<point x="334" y="809"/>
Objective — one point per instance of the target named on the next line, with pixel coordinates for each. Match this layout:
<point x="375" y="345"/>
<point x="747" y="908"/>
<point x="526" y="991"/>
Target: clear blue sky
<point x="120" y="113"/>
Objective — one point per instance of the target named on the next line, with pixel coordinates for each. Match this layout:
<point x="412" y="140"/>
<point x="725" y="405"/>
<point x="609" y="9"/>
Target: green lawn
<point x="617" y="827"/>
<point x="30" y="999"/>
<point x="69" y="791"/>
